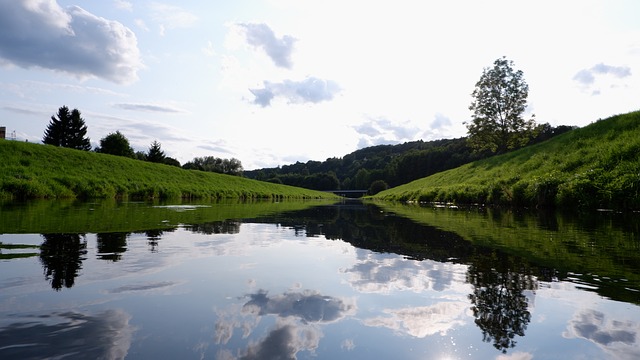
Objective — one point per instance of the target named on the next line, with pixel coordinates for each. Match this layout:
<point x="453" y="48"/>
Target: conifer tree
<point x="67" y="129"/>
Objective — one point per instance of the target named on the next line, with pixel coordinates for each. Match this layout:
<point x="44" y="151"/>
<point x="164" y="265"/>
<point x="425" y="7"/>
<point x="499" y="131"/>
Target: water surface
<point x="309" y="280"/>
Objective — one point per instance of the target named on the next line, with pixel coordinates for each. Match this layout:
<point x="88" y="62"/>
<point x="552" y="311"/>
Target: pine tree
<point x="155" y="153"/>
<point x="67" y="129"/>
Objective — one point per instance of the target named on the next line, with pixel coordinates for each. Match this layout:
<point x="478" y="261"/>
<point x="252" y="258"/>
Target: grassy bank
<point x="597" y="166"/>
<point x="29" y="171"/>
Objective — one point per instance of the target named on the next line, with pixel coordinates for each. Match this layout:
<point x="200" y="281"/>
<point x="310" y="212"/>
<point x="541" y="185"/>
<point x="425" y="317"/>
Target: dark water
<point x="315" y="280"/>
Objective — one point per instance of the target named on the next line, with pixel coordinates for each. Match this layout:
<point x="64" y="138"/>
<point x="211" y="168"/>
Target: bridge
<point x="349" y="193"/>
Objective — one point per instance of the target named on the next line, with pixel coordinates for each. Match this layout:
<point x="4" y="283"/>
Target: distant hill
<point x="392" y="164"/>
<point x="44" y="171"/>
<point x="597" y="166"/>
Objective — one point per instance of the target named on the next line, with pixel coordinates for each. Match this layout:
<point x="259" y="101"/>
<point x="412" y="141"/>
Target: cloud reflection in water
<point x="298" y="316"/>
<point x="69" y="335"/>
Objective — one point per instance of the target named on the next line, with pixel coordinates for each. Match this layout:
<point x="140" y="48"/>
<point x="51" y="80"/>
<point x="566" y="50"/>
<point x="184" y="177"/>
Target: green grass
<point x="29" y="171"/>
<point x="597" y="166"/>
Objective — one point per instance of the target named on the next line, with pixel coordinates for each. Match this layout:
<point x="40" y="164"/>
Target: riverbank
<point x="597" y="166"/>
<point x="35" y="171"/>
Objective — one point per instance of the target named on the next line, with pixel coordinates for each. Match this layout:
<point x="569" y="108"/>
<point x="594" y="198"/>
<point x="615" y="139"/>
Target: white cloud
<point x="39" y="33"/>
<point x="209" y="49"/>
<point x="380" y="130"/>
<point x="149" y="108"/>
<point x="309" y="90"/>
<point x="123" y="5"/>
<point x="262" y="37"/>
<point x="171" y="16"/>
<point x="141" y="25"/>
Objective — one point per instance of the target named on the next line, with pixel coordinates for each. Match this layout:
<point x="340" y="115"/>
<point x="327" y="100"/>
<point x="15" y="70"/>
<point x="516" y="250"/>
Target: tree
<point x="500" y="99"/>
<point x="155" y="153"/>
<point x="115" y="144"/>
<point x="231" y="166"/>
<point x="377" y="186"/>
<point x="171" y="161"/>
<point x="67" y="130"/>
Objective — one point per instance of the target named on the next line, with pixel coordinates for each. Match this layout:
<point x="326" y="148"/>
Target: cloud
<point x="588" y="76"/>
<point x="150" y="108"/>
<point x="171" y="17"/>
<point x="618" y="338"/>
<point x="26" y="111"/>
<point x="309" y="90"/>
<point x="123" y="5"/>
<point x="104" y="336"/>
<point x="440" y="121"/>
<point x="262" y="37"/>
<point x="39" y="33"/>
<point x="380" y="130"/>
<point x="218" y="146"/>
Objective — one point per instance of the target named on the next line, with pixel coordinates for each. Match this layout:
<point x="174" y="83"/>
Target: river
<point x="315" y="280"/>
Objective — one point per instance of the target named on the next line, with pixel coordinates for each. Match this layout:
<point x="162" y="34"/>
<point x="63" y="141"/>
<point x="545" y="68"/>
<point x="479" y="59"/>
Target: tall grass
<point x="30" y="171"/>
<point x="597" y="166"/>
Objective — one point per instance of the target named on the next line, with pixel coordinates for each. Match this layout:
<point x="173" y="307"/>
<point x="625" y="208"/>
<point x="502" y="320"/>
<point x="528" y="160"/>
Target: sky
<point x="274" y="82"/>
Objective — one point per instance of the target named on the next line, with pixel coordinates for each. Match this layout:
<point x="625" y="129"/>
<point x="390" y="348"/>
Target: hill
<point x="43" y="171"/>
<point x="597" y="166"/>
<point x="392" y="164"/>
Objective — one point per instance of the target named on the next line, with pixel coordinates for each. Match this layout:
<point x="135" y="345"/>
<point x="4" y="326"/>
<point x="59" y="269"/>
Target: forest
<point x="379" y="167"/>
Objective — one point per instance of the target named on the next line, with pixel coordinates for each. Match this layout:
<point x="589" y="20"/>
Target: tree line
<point x="68" y="129"/>
<point x="380" y="167"/>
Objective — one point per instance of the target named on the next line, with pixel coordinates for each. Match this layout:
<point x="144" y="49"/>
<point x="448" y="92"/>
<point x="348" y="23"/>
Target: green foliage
<point x="231" y="166"/>
<point x="500" y="99"/>
<point x="67" y="130"/>
<point x="34" y="171"/>
<point x="116" y="144"/>
<point x="597" y="166"/>
<point x="377" y="186"/>
<point x="155" y="153"/>
<point x="171" y="161"/>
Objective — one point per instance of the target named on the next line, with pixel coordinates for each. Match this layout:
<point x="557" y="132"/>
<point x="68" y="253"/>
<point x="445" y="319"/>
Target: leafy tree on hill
<point x="171" y="161"/>
<point x="116" y="144"/>
<point x="500" y="99"/>
<point x="231" y="166"/>
<point x="67" y="129"/>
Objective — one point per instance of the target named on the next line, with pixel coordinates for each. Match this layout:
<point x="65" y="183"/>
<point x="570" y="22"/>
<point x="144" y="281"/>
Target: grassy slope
<point x="43" y="171"/>
<point x="591" y="167"/>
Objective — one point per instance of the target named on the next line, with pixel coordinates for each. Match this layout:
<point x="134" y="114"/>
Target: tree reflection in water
<point x="61" y="256"/>
<point x="153" y="236"/>
<point x="498" y="302"/>
<point x="111" y="245"/>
